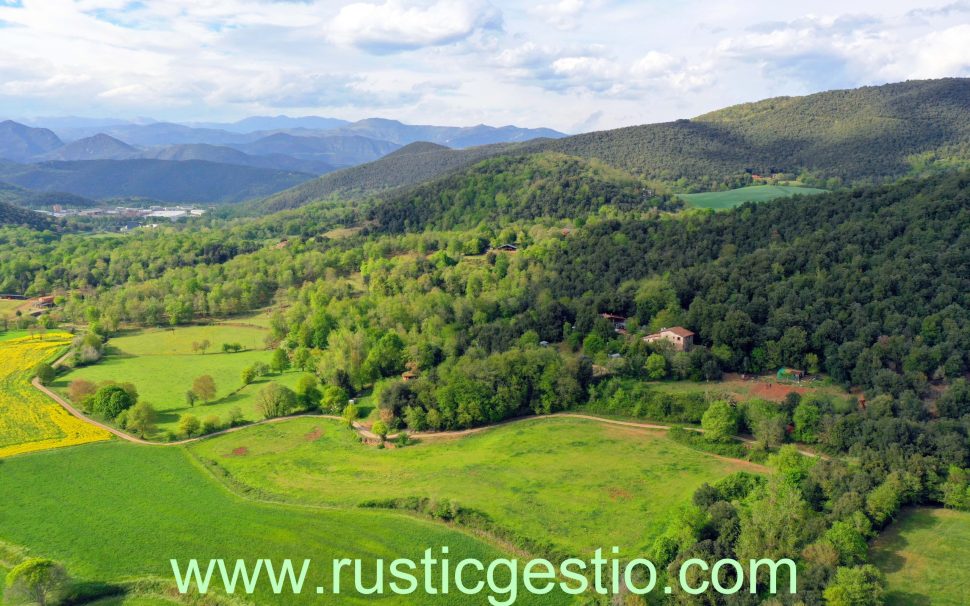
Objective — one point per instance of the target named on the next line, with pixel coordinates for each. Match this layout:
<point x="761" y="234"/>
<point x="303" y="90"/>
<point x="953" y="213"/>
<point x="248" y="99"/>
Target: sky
<point x="573" y="65"/>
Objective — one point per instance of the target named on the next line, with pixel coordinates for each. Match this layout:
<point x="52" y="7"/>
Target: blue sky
<point x="574" y="65"/>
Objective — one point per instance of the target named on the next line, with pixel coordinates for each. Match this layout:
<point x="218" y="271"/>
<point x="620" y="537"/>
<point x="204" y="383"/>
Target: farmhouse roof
<point x="680" y="331"/>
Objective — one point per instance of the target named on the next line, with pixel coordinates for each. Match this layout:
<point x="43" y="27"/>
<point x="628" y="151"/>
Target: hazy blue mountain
<point x="19" y="142"/>
<point x="266" y="123"/>
<point x="229" y="155"/>
<point x="452" y="136"/>
<point x="158" y="133"/>
<point x="167" y="181"/>
<point x="97" y="147"/>
<point x="346" y="150"/>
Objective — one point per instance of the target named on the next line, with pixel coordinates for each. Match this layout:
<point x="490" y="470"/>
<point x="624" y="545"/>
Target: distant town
<point x="124" y="213"/>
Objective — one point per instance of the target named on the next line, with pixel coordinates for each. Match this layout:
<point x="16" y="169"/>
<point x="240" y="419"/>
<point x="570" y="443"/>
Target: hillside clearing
<point x="721" y="200"/>
<point x="924" y="555"/>
<point x="575" y="483"/>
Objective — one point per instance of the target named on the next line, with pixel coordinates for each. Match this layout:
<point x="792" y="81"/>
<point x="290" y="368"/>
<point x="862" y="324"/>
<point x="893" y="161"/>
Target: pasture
<point x="162" y="366"/>
<point x="578" y="484"/>
<point x="924" y="555"/>
<point x="118" y="511"/>
<point x="30" y="421"/>
<point x="723" y="200"/>
<point x="762" y="388"/>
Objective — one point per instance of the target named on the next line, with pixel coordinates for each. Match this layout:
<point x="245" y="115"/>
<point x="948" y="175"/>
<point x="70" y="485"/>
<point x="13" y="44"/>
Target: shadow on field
<point x="905" y="598"/>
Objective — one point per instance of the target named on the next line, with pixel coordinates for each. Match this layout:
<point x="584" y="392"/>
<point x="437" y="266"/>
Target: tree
<point x="248" y="375"/>
<point x="36" y="581"/>
<point x="205" y="388"/>
<point x="379" y="428"/>
<point x="142" y="418"/>
<point x="79" y="390"/>
<point x="333" y="399"/>
<point x="111" y="400"/>
<point x="849" y="542"/>
<point x="274" y="400"/>
<point x="720" y="421"/>
<point x="308" y="392"/>
<point x="807" y="418"/>
<point x="280" y="362"/>
<point x="235" y="417"/>
<point x="45" y="373"/>
<point x="204" y="345"/>
<point x="350" y="414"/>
<point x="191" y="398"/>
<point x="857" y="586"/>
<point x="189" y="425"/>
<point x="656" y="366"/>
<point x="302" y="359"/>
<point x="211" y="424"/>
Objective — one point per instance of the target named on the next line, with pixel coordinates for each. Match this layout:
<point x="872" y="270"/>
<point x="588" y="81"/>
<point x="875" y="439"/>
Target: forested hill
<point x="407" y="166"/>
<point x="875" y="281"/>
<point x="12" y="215"/>
<point x="858" y="135"/>
<point x="865" y="135"/>
<point x="508" y="188"/>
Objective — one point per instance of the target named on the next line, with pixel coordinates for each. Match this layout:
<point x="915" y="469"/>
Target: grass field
<point x="578" y="484"/>
<point x="924" y="555"/>
<point x="115" y="511"/>
<point x="161" y="365"/>
<point x="722" y="200"/>
<point x="762" y="388"/>
<point x="30" y="421"/>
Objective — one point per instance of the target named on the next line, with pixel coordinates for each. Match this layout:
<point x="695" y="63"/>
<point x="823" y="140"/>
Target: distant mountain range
<point x="869" y="134"/>
<point x="281" y="150"/>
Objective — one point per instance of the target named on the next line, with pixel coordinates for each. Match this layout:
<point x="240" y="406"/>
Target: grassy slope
<point x="578" y="484"/>
<point x="924" y="556"/>
<point x="116" y="510"/>
<point x="721" y="200"/>
<point x="161" y="365"/>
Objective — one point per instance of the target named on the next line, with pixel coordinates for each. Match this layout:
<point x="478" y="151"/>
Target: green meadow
<point x="162" y="366"/>
<point x="721" y="200"/>
<point x="115" y="511"/>
<point x="578" y="484"/>
<point x="924" y="555"/>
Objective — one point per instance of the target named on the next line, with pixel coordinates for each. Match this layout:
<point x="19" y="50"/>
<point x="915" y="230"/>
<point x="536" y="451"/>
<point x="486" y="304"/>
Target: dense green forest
<point x="509" y="188"/>
<point x="851" y="136"/>
<point x="17" y="216"/>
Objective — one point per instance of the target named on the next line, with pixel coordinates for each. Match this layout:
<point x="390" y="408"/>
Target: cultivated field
<point x="761" y="388"/>
<point x="721" y="200"/>
<point x="30" y="421"/>
<point x="162" y="366"/>
<point x="117" y="511"/>
<point x="575" y="483"/>
<point x="924" y="555"/>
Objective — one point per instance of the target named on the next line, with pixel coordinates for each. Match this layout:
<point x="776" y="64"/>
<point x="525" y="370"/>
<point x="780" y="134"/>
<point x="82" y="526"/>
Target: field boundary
<point x="366" y="434"/>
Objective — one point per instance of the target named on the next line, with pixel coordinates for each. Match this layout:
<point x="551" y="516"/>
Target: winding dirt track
<point x="366" y="433"/>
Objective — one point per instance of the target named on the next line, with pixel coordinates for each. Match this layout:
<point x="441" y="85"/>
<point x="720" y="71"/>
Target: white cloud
<point x="395" y="25"/>
<point x="563" y="14"/>
<point x="569" y="64"/>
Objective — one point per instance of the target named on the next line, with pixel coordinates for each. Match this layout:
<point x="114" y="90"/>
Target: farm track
<point x="369" y="436"/>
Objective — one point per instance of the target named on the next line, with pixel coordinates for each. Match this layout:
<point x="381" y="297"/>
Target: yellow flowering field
<point x="29" y="420"/>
